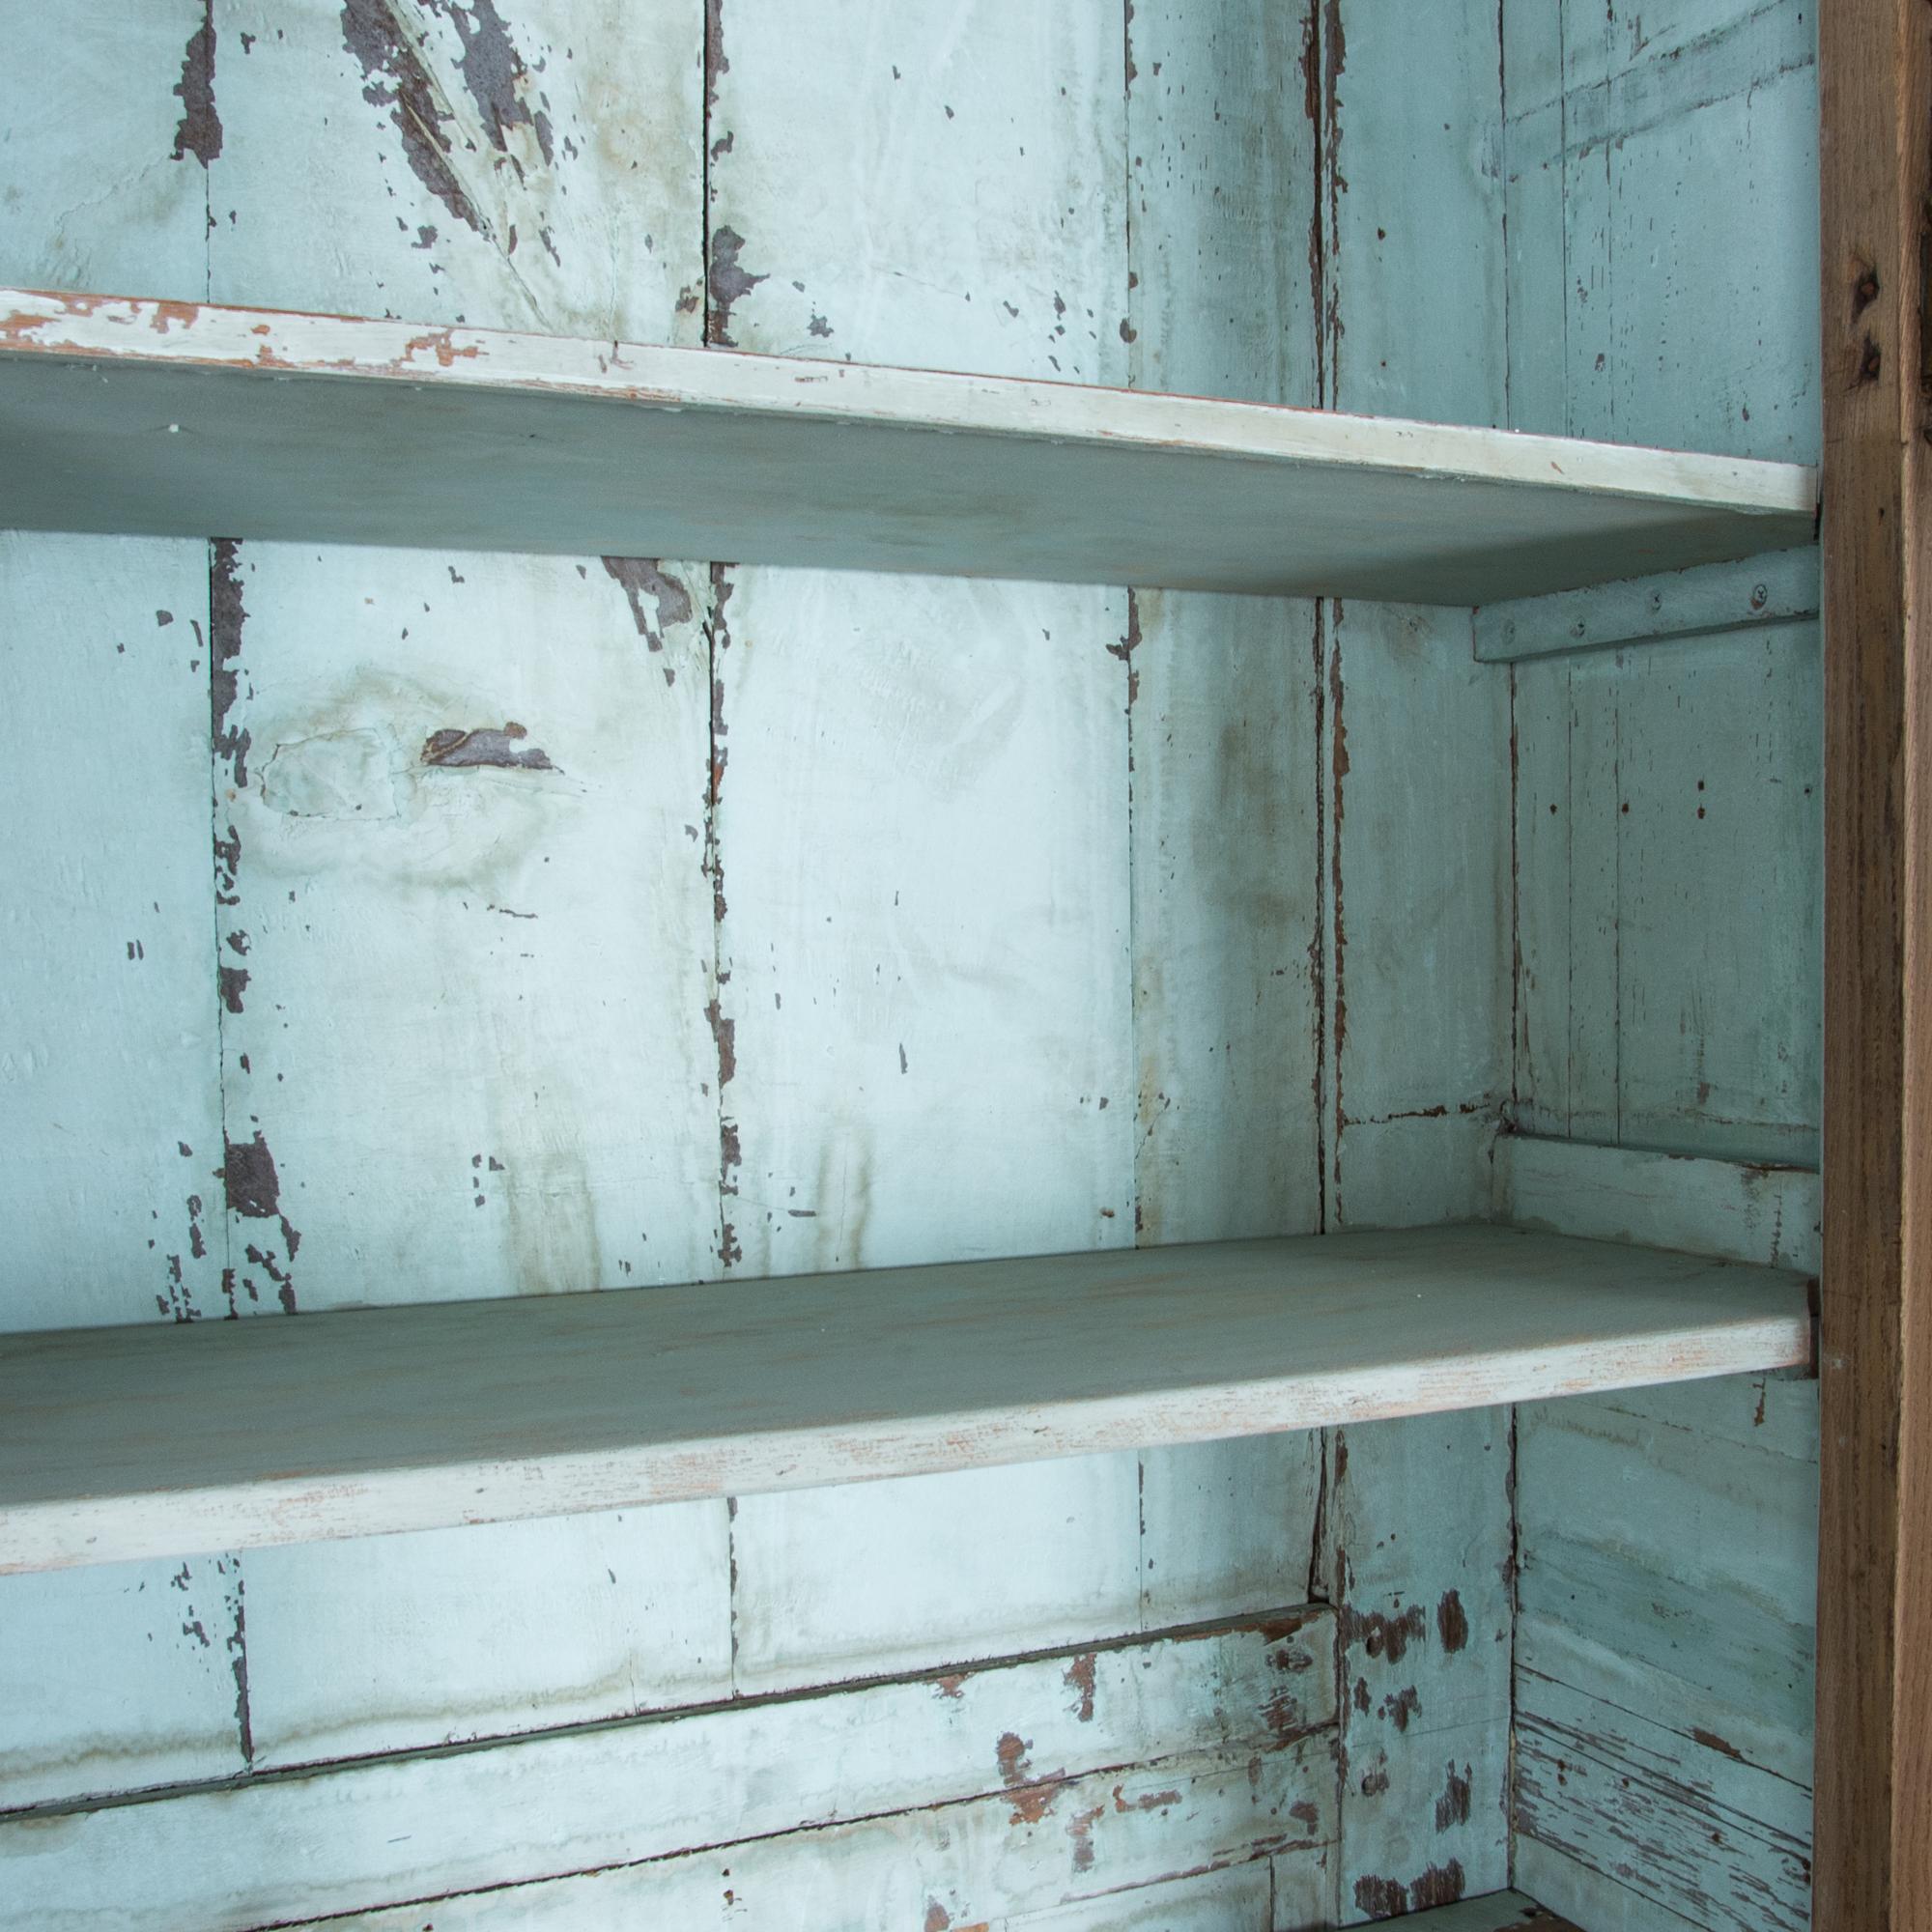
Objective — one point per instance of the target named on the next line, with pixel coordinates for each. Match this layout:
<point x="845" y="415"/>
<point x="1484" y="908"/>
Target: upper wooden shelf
<point x="174" y="419"/>
<point x="157" y="1441"/>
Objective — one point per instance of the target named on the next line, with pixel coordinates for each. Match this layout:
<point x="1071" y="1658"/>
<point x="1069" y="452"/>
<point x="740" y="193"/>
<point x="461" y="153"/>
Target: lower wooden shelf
<point x="118" y="1443"/>
<point x="1499" y="1912"/>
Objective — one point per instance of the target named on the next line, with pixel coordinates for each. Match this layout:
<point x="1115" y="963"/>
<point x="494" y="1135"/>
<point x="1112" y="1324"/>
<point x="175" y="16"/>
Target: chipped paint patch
<point x="503" y="750"/>
<point x="199" y="132"/>
<point x="396" y="78"/>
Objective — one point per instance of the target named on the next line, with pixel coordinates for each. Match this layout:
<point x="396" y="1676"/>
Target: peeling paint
<point x="394" y="77"/>
<point x="641" y="578"/>
<point x="503" y="750"/>
<point x="1080" y="1679"/>
<point x="729" y="282"/>
<point x="495" y="77"/>
<point x="227" y="616"/>
<point x="199" y="132"/>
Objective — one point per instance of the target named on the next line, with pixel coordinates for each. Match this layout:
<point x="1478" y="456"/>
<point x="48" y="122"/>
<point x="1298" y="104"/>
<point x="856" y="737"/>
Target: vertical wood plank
<point x="1416" y="758"/>
<point x="920" y="823"/>
<point x="469" y="1027"/>
<point x="110" y="1140"/>
<point x="463" y="928"/>
<point x="1225" y="807"/>
<point x="1875" y="1558"/>
<point x="1419" y="1553"/>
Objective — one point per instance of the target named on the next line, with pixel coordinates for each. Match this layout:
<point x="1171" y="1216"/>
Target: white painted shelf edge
<point x="167" y="417"/>
<point x="144" y="1442"/>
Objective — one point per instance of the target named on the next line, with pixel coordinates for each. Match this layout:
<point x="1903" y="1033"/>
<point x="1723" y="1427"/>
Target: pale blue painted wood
<point x="110" y="1137"/>
<point x="130" y="1675"/>
<point x="106" y="171"/>
<point x="998" y="1787"/>
<point x="1415" y="756"/>
<point x="1776" y="588"/>
<point x="400" y="1643"/>
<point x="1225" y="781"/>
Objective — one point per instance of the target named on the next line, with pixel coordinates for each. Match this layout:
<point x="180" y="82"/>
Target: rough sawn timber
<point x="1874" y="1748"/>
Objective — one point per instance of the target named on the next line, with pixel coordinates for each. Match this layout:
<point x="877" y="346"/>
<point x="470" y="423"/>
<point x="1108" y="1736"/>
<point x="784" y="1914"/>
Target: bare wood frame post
<point x="1873" y="1863"/>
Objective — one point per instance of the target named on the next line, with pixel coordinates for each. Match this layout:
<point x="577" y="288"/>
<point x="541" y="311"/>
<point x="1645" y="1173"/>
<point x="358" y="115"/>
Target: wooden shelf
<point x="168" y="418"/>
<point x="138" y="1442"/>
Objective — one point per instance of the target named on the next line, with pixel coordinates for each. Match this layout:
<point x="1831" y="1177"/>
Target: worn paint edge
<point x="105" y="332"/>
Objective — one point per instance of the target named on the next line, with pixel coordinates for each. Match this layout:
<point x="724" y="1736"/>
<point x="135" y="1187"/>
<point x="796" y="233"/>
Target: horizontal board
<point x="1499" y="1912"/>
<point x="1767" y="589"/>
<point x="947" y="1867"/>
<point x="1742" y="1210"/>
<point x="1022" y="1733"/>
<point x="118" y="1443"/>
<point x="177" y="419"/>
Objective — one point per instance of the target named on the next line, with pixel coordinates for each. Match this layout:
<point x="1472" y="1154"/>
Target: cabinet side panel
<point x="1667" y="832"/>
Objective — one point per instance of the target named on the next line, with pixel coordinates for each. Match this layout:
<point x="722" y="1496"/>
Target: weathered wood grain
<point x="1660" y="165"/>
<point x="1667" y="1564"/>
<point x="414" y="1417"/>
<point x="1724" y="1844"/>
<point x="131" y="416"/>
<point x="1875" y="1558"/>
<point x="1596" y="1902"/>
<point x="110" y="1137"/>
<point x="1045" y="1744"/>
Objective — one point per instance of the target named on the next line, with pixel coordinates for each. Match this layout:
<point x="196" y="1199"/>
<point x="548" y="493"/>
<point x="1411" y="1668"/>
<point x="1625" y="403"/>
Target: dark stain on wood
<point x="1382" y="1897"/>
<point x="1439" y="1884"/>
<point x="1384" y="1636"/>
<point x="1453" y="1806"/>
<point x="1080" y="1679"/>
<point x="1452" y="1622"/>
<point x="254" y="1191"/>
